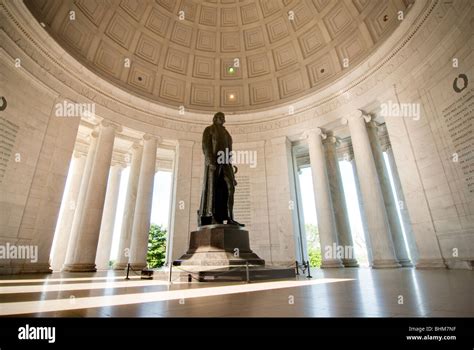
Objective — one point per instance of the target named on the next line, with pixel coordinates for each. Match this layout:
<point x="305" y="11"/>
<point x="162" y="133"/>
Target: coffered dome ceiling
<point x="230" y="55"/>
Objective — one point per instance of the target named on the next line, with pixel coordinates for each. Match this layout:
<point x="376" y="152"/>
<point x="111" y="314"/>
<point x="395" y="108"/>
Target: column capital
<point x="354" y="116"/>
<point x="108" y="124"/>
<point x="331" y="139"/>
<point x="93" y="135"/>
<point x="373" y="124"/>
<point x="136" y="145"/>
<point x="314" y="131"/>
<point x="149" y="137"/>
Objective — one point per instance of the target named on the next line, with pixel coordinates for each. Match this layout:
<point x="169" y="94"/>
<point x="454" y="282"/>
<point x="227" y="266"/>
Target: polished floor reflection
<point x="330" y="293"/>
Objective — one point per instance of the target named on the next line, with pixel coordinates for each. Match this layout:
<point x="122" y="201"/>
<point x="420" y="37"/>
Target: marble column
<point x="376" y="215"/>
<point x="368" y="245"/>
<point x="108" y="217"/>
<point x="344" y="234"/>
<point x="322" y="195"/>
<point x="129" y="209"/>
<point x="82" y="249"/>
<point x="79" y="206"/>
<point x="388" y="197"/>
<point x="282" y="202"/>
<point x="141" y="219"/>
<point x="181" y="212"/>
<point x="402" y="203"/>
<point x="63" y="228"/>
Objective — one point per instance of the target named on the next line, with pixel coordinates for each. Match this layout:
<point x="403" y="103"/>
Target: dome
<point x="229" y="55"/>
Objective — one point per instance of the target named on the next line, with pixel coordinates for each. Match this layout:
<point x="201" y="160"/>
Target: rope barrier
<point x="233" y="268"/>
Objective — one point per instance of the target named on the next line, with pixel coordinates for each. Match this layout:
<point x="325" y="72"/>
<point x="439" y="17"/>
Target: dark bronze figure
<point x="217" y="197"/>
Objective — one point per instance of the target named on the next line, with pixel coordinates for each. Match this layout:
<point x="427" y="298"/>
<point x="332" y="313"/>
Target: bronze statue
<point x="217" y="197"/>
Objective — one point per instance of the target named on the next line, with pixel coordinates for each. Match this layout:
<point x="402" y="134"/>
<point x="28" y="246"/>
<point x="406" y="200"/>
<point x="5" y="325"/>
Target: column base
<point x="331" y="263"/>
<point x="405" y="263"/>
<point x="385" y="264"/>
<point x="79" y="268"/>
<point x="430" y="264"/>
<point x="120" y="266"/>
<point x="350" y="262"/>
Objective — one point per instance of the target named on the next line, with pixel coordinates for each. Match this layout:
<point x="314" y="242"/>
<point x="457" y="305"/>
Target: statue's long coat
<point x="214" y="139"/>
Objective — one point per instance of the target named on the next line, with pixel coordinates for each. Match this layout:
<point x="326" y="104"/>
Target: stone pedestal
<point x="219" y="245"/>
<point x="220" y="253"/>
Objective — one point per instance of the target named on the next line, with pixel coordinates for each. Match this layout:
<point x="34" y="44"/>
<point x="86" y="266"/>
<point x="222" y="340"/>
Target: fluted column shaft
<point x="129" y="209"/>
<point x="63" y="228"/>
<point x="322" y="195"/>
<point x="181" y="194"/>
<point x="344" y="235"/>
<point x="376" y="216"/>
<point x="79" y="208"/>
<point x="82" y="252"/>
<point x="141" y="220"/>
<point x="402" y="204"/>
<point x="362" y="211"/>
<point x="108" y="218"/>
<point x="389" y="200"/>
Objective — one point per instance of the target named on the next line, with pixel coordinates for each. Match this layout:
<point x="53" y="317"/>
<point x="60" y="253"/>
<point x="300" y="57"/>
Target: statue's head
<point x="219" y="118"/>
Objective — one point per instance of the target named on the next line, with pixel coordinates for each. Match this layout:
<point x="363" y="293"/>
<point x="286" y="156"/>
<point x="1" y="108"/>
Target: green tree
<point x="314" y="257"/>
<point x="314" y="248"/>
<point x="156" y="246"/>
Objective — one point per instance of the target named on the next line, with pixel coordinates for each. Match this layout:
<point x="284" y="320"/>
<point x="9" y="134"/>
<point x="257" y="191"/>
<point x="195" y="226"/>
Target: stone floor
<point x="330" y="293"/>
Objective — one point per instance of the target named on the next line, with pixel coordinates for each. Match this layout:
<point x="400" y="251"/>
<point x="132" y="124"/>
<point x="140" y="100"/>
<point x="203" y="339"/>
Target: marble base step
<point x="225" y="274"/>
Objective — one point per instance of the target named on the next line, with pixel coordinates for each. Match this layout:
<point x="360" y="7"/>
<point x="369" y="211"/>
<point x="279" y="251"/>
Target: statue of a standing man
<point x="217" y="197"/>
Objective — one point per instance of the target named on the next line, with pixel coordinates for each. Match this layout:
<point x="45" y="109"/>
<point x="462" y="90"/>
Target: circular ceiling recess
<point x="229" y="55"/>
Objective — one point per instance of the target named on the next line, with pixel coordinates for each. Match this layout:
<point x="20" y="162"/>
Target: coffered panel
<point x="190" y="60"/>
<point x="203" y="67"/>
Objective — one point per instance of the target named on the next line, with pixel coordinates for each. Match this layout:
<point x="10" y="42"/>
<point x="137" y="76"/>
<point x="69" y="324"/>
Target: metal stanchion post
<point x="128" y="271"/>
<point x="297" y="268"/>
<point x="247" y="271"/>
<point x="309" y="271"/>
<point x="171" y="271"/>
